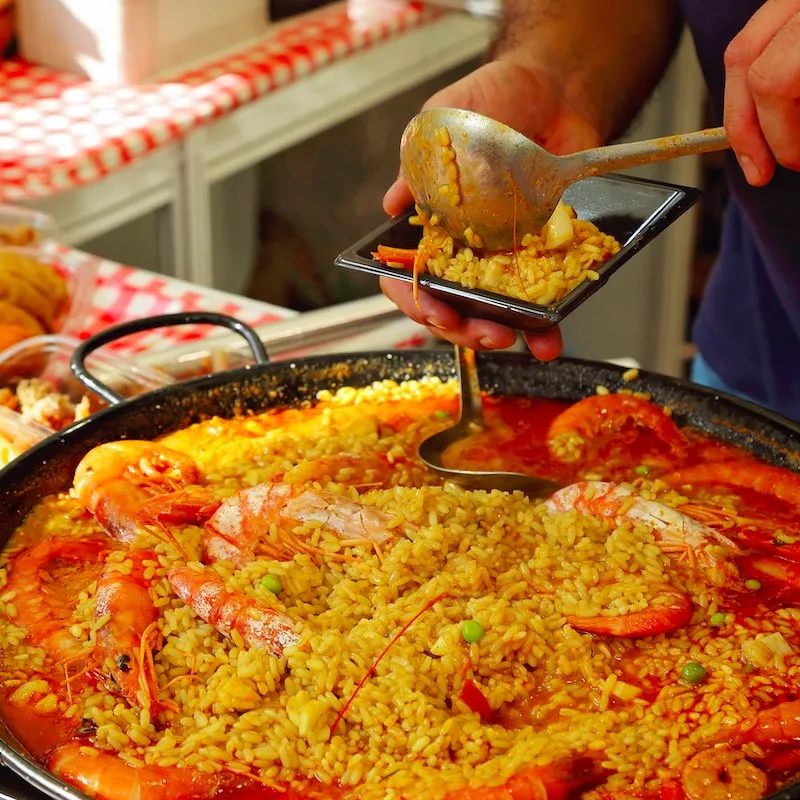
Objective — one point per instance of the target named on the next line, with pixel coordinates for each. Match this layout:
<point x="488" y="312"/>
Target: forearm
<point x="607" y="54"/>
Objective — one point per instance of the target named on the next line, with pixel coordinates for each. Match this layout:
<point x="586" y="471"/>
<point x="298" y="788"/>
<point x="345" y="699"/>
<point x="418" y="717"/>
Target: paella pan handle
<point x="83" y="350"/>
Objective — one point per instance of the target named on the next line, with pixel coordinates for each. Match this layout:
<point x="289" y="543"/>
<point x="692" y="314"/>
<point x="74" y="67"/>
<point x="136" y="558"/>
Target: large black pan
<point x="49" y="466"/>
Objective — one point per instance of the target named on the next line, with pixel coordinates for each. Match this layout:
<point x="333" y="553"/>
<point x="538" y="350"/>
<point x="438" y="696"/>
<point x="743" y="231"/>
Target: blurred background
<point x="277" y="223"/>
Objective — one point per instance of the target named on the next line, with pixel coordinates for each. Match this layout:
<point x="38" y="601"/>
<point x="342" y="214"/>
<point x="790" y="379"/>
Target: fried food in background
<point x="32" y="293"/>
<point x="12" y="315"/>
<point x="12" y="334"/>
<point x="21" y="235"/>
<point x="36" y="401"/>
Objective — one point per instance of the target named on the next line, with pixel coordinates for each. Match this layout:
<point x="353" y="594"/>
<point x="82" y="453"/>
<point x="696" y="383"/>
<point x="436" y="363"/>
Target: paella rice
<point x="542" y="269"/>
<point x="317" y="615"/>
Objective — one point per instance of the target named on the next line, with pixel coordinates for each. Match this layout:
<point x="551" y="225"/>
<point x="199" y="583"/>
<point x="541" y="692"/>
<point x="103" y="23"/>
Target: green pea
<point x="442" y="414"/>
<point x="693" y="673"/>
<point x="717" y="619"/>
<point x="272" y="584"/>
<point x="472" y="631"/>
<point x="753" y="584"/>
<point x="642" y="469"/>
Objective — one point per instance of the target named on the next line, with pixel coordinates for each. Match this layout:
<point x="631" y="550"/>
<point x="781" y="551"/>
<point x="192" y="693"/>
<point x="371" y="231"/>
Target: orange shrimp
<point x="260" y="625"/>
<point x="778" y="725"/>
<point x="107" y="777"/>
<point x="113" y="480"/>
<point x="240" y="528"/>
<point x="775" y="570"/>
<point x="652" y="621"/>
<point x="42" y="600"/>
<point x="722" y="773"/>
<point x="675" y="533"/>
<point x="123" y="646"/>
<point x="762" y="478"/>
<point x="605" y="414"/>
<point x="558" y="781"/>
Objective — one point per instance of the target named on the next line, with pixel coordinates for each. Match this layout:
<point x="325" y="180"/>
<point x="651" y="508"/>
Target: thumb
<point x="397" y="198"/>
<point x="570" y="133"/>
<point x="545" y="346"/>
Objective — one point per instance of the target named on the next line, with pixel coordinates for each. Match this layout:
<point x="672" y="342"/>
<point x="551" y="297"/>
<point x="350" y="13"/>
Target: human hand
<point x="762" y="91"/>
<point x="534" y="103"/>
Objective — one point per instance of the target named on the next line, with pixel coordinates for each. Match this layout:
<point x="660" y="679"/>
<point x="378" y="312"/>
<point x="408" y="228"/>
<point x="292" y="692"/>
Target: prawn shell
<point x="638" y="624"/>
<point x="259" y="625"/>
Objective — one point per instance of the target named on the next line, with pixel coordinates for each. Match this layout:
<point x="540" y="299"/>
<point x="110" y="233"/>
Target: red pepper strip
<point x="476" y="700"/>
<point x="395" y="255"/>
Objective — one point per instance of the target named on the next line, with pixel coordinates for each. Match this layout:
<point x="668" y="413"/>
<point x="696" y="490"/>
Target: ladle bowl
<point x="472" y="172"/>
<point x="470" y="422"/>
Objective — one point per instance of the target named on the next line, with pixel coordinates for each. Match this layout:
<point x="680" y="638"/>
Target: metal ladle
<point x="470" y="422"/>
<point x="502" y="176"/>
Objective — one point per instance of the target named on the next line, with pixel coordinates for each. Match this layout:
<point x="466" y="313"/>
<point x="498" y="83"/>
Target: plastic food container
<point x="39" y="370"/>
<point x="134" y="41"/>
<point x="25" y="228"/>
<point x="17" y="435"/>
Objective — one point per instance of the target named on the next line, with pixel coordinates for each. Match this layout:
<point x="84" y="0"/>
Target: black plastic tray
<point x="632" y="210"/>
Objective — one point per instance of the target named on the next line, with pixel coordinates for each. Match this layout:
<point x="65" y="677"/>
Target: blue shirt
<point x="748" y="325"/>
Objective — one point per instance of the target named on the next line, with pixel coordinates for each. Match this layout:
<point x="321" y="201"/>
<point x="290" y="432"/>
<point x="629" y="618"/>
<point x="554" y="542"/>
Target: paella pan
<point x="247" y="586"/>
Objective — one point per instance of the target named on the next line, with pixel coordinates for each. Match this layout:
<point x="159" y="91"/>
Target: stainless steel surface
<point x="312" y="329"/>
<point x="507" y="184"/>
<point x="13" y="787"/>
<point x="470" y="422"/>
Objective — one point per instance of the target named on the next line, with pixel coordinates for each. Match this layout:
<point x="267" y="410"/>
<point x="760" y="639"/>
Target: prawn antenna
<point x="429" y="605"/>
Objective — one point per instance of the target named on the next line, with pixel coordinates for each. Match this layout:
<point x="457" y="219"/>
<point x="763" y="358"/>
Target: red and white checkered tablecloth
<point x="114" y="293"/>
<point x="59" y="131"/>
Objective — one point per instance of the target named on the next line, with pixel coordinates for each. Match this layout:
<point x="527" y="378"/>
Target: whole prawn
<point x="603" y="414"/>
<point x="666" y="618"/>
<point x="778" y="725"/>
<point x="675" y="533"/>
<point x="113" y="481"/>
<point x="240" y="527"/>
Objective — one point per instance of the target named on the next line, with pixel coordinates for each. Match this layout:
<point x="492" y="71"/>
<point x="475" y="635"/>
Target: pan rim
<point x="414" y="357"/>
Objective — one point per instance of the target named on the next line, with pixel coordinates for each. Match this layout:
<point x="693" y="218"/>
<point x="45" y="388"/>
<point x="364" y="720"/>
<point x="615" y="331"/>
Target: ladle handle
<point x="467" y="371"/>
<point x="633" y="154"/>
